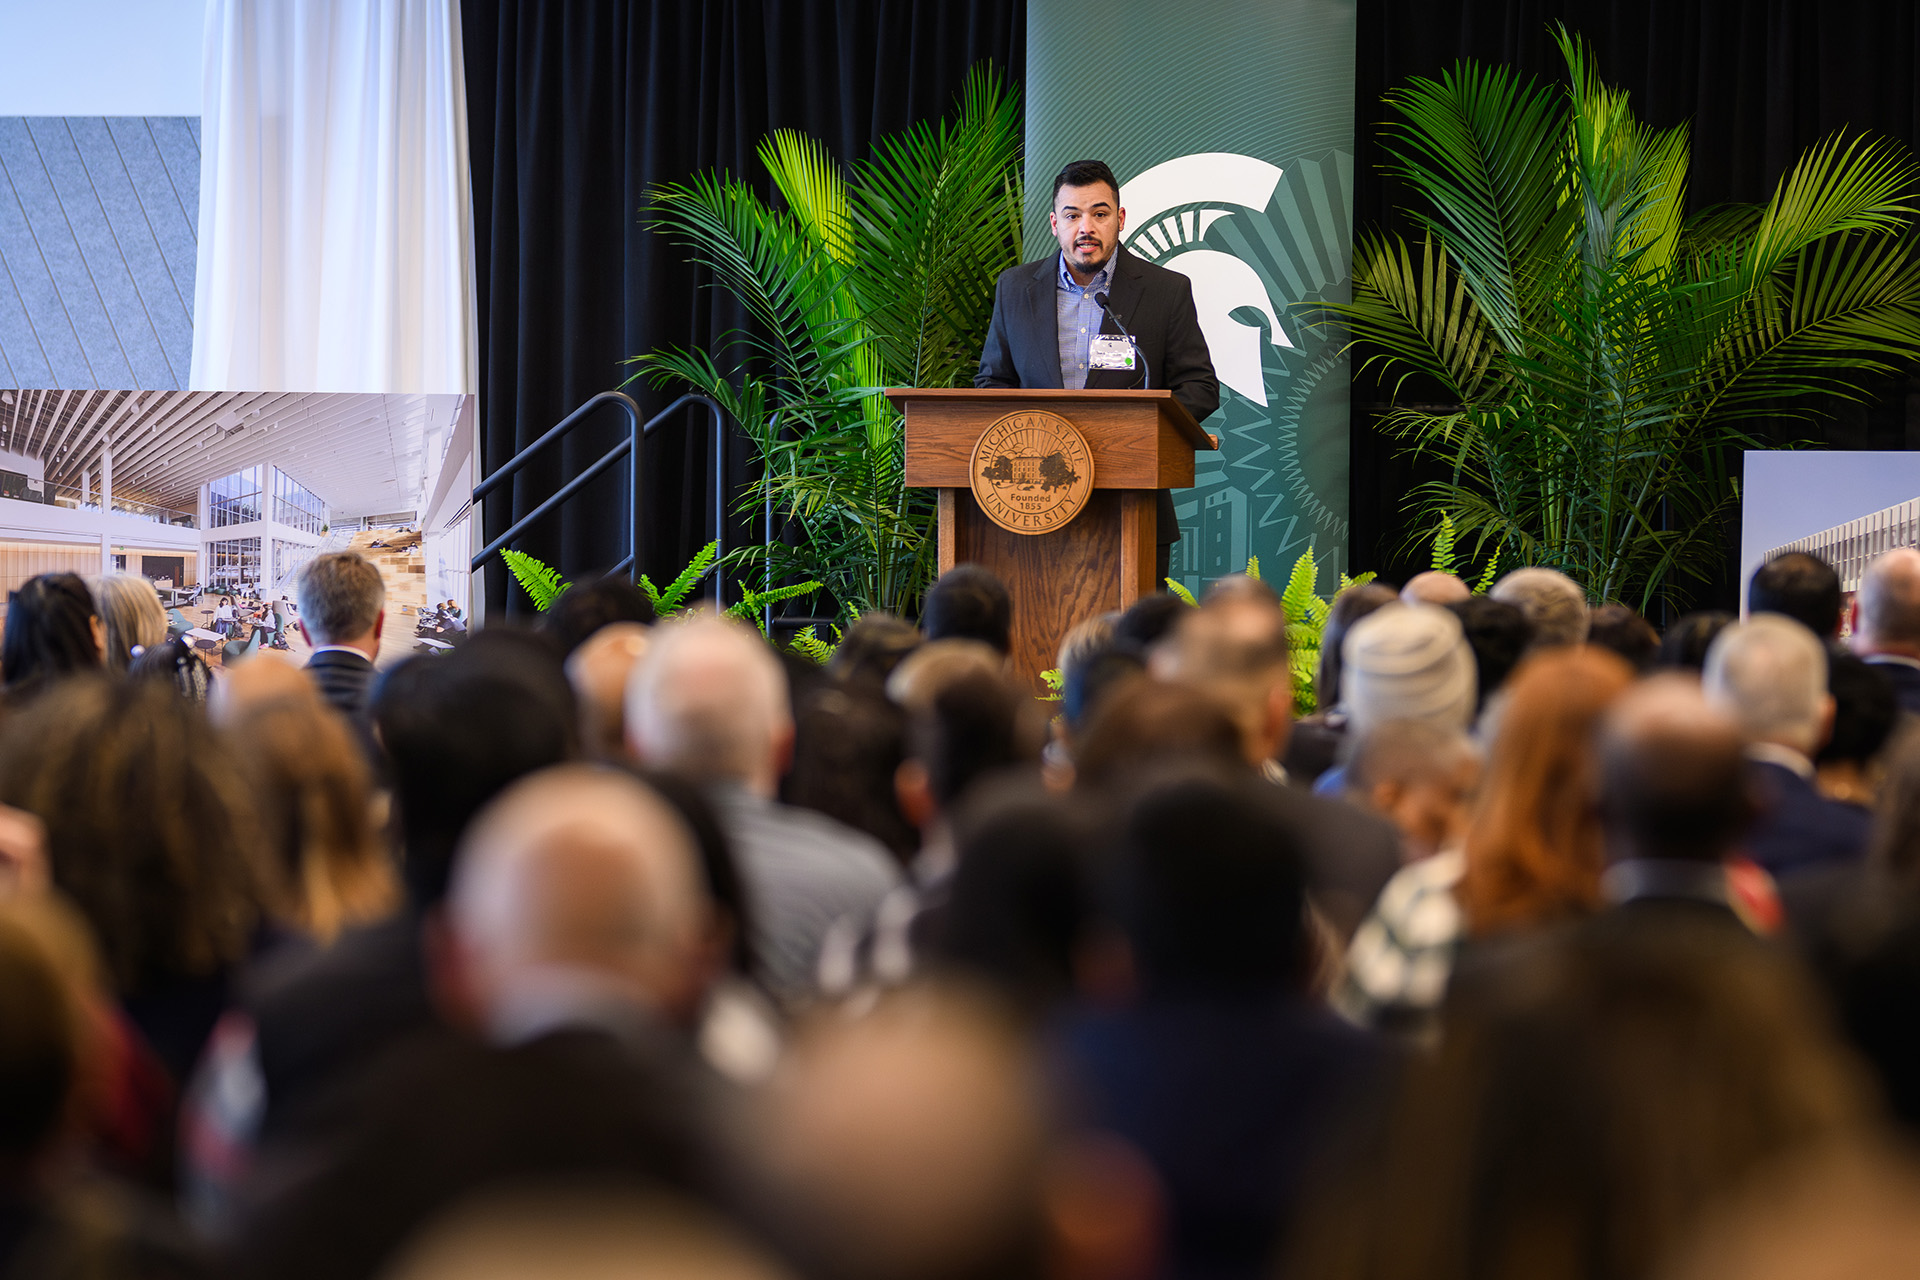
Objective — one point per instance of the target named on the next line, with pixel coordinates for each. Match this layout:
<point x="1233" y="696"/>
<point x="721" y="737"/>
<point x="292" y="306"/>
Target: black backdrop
<point x="1759" y="81"/>
<point x="575" y="109"/>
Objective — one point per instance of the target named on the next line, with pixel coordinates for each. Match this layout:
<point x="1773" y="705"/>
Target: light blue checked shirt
<point x="1077" y="319"/>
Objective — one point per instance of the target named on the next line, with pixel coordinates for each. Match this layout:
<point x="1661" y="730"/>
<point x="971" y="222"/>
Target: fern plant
<point x="753" y="603"/>
<point x="668" y="602"/>
<point x="808" y="644"/>
<point x="1446" y="560"/>
<point x="541" y="581"/>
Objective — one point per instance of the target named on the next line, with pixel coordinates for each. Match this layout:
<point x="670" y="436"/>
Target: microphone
<point x="1145" y="382"/>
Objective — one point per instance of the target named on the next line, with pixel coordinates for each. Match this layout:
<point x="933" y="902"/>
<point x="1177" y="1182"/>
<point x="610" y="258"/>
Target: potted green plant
<point x="1604" y="351"/>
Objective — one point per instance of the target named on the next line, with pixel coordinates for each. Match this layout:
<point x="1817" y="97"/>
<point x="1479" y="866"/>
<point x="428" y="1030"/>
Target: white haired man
<point x="708" y="701"/>
<point x="1886" y="622"/>
<point x="1770" y="674"/>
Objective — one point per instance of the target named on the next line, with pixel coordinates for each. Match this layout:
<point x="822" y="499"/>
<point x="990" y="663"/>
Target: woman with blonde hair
<point x="1533" y="854"/>
<point x="134" y="619"/>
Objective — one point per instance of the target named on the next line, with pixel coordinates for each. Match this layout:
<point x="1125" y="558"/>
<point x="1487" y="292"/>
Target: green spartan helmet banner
<point x="1230" y="126"/>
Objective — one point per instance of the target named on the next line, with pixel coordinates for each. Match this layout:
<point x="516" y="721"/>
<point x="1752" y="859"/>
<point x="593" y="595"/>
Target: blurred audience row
<point x="1549" y="947"/>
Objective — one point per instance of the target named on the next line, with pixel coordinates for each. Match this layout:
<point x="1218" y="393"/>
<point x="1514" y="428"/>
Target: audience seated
<point x="969" y="603"/>
<point x="709" y="701"/>
<point x="53" y="630"/>
<point x="1142" y="624"/>
<point x="1532" y="856"/>
<point x="849" y="743"/>
<point x="57" y="1218"/>
<point x="974" y="726"/>
<point x="1220" y="1068"/>
<point x="1770" y="675"/>
<point x="1674" y="804"/>
<point x="576" y="923"/>
<point x="820" y="971"/>
<point x="930" y="668"/>
<point x="456" y="731"/>
<point x="342" y="613"/>
<point x="1803" y="587"/>
<point x="1595" y="1097"/>
<point x="152" y="834"/>
<point x="1555" y="605"/>
<point x="1235" y="651"/>
<point x="1886" y="622"/>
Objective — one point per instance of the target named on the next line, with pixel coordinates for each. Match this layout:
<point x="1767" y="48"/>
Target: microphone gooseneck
<point x="1146" y="383"/>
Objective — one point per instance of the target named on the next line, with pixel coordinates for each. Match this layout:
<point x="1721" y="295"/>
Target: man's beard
<point x="1096" y="248"/>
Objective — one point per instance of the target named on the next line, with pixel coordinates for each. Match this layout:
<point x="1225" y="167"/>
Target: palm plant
<point x="1603" y="350"/>
<point x="874" y="275"/>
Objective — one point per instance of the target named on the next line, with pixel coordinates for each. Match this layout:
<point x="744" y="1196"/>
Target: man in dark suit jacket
<point x="342" y="611"/>
<point x="1047" y="322"/>
<point x="1886" y="622"/>
<point x="1770" y="675"/>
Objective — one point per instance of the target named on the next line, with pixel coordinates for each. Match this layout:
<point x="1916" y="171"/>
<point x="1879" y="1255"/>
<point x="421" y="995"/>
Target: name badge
<point x="1110" y="351"/>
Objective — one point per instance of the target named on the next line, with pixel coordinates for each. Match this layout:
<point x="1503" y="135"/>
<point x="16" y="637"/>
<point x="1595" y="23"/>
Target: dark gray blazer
<point x="1023" y="342"/>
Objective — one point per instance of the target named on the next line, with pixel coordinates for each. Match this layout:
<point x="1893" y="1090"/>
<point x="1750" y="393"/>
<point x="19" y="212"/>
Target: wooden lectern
<point x="1102" y="556"/>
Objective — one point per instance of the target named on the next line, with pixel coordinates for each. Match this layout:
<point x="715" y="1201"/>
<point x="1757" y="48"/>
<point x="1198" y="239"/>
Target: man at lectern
<point x="1094" y="315"/>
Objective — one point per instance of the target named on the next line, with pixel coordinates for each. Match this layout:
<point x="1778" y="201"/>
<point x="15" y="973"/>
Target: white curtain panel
<point x="336" y="224"/>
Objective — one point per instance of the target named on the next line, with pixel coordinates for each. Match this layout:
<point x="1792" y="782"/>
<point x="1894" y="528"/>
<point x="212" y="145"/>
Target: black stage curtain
<point x="576" y="108"/>
<point x="1758" y="80"/>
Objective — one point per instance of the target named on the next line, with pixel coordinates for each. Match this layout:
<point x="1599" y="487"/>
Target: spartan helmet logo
<point x="1168" y="210"/>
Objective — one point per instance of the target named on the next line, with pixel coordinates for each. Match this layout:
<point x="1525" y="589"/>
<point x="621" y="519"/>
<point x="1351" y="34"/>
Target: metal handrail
<point x="630" y="448"/>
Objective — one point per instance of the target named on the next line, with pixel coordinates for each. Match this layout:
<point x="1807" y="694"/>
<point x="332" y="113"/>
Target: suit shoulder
<point x="1024" y="271"/>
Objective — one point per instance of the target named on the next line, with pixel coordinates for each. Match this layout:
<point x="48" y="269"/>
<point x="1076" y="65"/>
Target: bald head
<point x="1889" y="603"/>
<point x="1672" y="774"/>
<point x="598" y="671"/>
<point x="709" y="701"/>
<point x="583" y="873"/>
<point x="262" y="680"/>
<point x="1434" y="587"/>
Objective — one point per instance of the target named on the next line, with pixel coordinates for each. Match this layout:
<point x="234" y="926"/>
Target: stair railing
<point x="630" y="449"/>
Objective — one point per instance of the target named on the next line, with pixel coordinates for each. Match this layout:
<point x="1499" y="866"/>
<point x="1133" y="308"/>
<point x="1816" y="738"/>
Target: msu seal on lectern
<point x="1032" y="472"/>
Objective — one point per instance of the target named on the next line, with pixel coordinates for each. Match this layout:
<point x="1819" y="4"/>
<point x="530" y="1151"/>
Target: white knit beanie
<point x="1407" y="662"/>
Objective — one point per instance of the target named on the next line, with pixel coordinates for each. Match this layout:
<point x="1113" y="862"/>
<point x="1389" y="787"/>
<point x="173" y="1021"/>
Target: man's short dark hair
<point x="340" y="594"/>
<point x="1084" y="173"/>
<point x="458" y="730"/>
<point x="1802" y="586"/>
<point x="1498" y="633"/>
<point x="584" y="608"/>
<point x="1208" y="886"/>
<point x="968" y="602"/>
